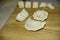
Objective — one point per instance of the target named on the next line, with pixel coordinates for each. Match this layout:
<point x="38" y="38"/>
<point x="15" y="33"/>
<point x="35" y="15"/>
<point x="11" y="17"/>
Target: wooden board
<point x="14" y="30"/>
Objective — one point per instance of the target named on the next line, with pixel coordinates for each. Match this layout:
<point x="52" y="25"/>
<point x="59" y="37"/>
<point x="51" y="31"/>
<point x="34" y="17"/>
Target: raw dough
<point x="34" y="25"/>
<point x="35" y="5"/>
<point x="22" y="15"/>
<point x="21" y="4"/>
<point x="27" y="4"/>
<point x="40" y="15"/>
<point x="50" y="6"/>
<point x="43" y="4"/>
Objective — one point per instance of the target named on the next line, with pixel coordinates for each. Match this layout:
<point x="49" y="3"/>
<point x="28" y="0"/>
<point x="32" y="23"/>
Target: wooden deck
<point x="14" y="30"/>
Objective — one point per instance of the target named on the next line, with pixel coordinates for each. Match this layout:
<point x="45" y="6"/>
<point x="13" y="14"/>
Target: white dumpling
<point x="27" y="4"/>
<point x="22" y="15"/>
<point x="40" y="15"/>
<point x="43" y="4"/>
<point x="35" y="5"/>
<point x="21" y="4"/>
<point x="50" y="6"/>
<point x="34" y="25"/>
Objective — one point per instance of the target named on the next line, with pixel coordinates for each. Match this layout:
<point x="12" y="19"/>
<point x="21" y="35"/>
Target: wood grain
<point x="14" y="30"/>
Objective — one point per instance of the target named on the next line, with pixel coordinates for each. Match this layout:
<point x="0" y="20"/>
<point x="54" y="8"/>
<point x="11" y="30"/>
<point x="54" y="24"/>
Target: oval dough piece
<point x="34" y="25"/>
<point x="40" y="15"/>
<point x="22" y="15"/>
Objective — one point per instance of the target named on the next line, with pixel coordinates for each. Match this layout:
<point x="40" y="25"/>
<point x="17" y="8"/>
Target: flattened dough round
<point x="40" y="15"/>
<point x="34" y="25"/>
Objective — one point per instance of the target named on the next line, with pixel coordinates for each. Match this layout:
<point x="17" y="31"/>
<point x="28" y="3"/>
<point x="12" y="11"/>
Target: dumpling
<point x="27" y="4"/>
<point x="43" y="4"/>
<point x="35" y="5"/>
<point x="22" y="15"/>
<point x="34" y="25"/>
<point x="40" y="15"/>
<point x="50" y="6"/>
<point x="21" y="4"/>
